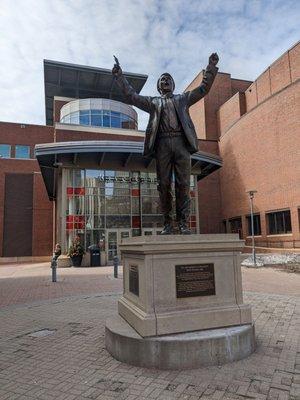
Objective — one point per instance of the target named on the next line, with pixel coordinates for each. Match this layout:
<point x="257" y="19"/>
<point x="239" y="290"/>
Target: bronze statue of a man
<point x="170" y="138"/>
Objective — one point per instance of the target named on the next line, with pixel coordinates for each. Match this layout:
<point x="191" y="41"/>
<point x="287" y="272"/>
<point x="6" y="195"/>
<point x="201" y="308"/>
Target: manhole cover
<point x="42" y="333"/>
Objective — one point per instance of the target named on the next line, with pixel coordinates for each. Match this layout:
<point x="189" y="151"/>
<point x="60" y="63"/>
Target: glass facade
<point x="103" y="118"/>
<point x="22" y="151"/>
<point x="110" y="205"/>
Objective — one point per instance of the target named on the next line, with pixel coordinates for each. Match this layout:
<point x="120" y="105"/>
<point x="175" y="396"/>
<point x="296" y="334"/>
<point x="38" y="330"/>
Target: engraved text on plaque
<point x="195" y="280"/>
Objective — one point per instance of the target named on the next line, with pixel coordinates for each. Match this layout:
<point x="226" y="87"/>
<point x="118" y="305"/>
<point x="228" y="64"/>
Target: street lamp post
<point x="251" y="196"/>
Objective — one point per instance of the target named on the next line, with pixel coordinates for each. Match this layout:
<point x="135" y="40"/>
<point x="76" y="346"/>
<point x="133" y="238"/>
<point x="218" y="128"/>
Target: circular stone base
<point x="178" y="351"/>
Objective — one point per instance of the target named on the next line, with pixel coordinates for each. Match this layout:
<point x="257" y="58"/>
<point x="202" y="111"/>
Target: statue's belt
<point x="162" y="135"/>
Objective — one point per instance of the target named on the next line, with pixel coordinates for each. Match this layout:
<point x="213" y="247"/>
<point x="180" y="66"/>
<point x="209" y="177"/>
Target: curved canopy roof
<point x="107" y="154"/>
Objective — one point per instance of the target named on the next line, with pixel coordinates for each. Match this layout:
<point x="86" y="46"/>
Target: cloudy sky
<point x="148" y="36"/>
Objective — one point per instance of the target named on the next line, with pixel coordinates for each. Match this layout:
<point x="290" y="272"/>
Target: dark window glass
<point x="256" y="225"/>
<point x="5" y="151"/>
<point x="287" y="221"/>
<point x="118" y="221"/>
<point x="115" y="114"/>
<point x="279" y="222"/>
<point x="150" y="205"/>
<point x="235" y="226"/>
<point x="224" y="224"/>
<point x="152" y="221"/>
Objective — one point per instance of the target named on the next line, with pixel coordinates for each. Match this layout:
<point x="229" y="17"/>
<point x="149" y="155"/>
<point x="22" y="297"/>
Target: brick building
<point x="90" y="149"/>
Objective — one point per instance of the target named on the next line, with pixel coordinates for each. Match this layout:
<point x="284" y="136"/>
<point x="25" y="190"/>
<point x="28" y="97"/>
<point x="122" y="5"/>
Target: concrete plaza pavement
<point x="52" y="341"/>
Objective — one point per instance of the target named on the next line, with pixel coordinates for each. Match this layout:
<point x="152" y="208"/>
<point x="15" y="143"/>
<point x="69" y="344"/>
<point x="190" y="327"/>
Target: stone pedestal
<point x="177" y="284"/>
<point x="182" y="283"/>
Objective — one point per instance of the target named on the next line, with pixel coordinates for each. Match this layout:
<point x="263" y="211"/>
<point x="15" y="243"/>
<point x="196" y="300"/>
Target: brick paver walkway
<point x="71" y="363"/>
<point x="25" y="283"/>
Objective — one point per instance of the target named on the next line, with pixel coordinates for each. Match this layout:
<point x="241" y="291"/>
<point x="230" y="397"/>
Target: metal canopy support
<point x="102" y="159"/>
<point x="196" y="164"/>
<point x="149" y="163"/>
<point x="75" y="156"/>
<point x="127" y="160"/>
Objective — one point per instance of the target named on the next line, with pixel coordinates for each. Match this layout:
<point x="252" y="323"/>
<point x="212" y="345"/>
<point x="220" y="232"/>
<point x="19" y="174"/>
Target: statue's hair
<point x="158" y="82"/>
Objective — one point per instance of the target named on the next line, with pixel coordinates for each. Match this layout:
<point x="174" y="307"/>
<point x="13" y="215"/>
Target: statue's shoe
<point x="168" y="230"/>
<point x="184" y="229"/>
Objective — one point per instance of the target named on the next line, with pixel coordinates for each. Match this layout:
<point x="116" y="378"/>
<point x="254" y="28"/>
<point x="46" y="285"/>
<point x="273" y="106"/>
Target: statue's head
<point x="165" y="83"/>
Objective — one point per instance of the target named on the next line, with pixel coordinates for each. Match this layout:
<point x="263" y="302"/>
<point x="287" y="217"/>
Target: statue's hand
<point x="213" y="59"/>
<point x="117" y="70"/>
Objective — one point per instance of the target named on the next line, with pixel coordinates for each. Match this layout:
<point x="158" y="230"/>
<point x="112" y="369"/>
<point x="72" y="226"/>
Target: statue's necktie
<point x="171" y="114"/>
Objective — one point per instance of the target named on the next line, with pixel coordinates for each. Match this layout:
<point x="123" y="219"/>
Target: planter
<point x="76" y="261"/>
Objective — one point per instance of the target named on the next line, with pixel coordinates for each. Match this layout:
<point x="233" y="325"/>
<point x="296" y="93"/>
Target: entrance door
<point x="113" y="239"/>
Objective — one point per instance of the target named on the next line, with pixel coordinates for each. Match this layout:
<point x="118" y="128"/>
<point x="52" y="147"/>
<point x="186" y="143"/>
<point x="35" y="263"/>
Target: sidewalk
<point x="54" y="349"/>
<point x="26" y="283"/>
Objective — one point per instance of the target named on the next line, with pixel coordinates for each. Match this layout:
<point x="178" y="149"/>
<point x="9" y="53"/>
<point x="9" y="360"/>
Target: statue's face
<point x="166" y="84"/>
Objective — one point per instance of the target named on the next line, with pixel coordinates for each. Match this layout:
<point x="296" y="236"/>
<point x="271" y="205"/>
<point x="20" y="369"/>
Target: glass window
<point x="235" y="226"/>
<point x="106" y="119"/>
<point x="115" y="122"/>
<point x="5" y="150"/>
<point x="118" y="221"/>
<point x="75" y="205"/>
<point x="117" y="205"/>
<point x="279" y="222"/>
<point x="78" y="178"/>
<point x="95" y="205"/>
<point x="152" y="221"/>
<point x="96" y="118"/>
<point x="22" y="151"/>
<point x="74" y="118"/>
<point x="256" y="224"/>
<point x="84" y="118"/>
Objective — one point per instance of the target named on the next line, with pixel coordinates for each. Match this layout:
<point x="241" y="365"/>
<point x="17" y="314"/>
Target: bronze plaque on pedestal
<point x="134" y="279"/>
<point x="195" y="280"/>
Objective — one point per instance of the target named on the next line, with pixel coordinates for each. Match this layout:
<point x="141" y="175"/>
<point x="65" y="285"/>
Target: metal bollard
<point x="53" y="267"/>
<point x="116" y="262"/>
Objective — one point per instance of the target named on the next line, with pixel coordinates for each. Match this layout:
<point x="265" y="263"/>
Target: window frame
<point x="276" y="214"/>
<point x="9" y="147"/>
<point x="29" y="151"/>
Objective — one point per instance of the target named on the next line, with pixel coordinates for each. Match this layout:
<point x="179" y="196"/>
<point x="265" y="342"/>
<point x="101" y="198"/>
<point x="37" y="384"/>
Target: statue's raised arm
<point x="207" y="81"/>
<point x="130" y="95"/>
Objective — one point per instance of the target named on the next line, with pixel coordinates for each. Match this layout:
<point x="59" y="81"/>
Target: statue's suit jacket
<point x="182" y="102"/>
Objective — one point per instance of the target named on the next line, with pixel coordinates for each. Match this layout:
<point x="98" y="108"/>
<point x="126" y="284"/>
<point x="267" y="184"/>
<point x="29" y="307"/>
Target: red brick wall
<point x="261" y="151"/>
<point x="230" y="112"/>
<point x="57" y="105"/>
<point x="209" y="194"/>
<point x="42" y="238"/>
<point x="25" y="134"/>
<point x="204" y="113"/>
<point x="42" y="218"/>
<point x="63" y="135"/>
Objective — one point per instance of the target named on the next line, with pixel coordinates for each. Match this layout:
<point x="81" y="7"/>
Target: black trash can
<point x="95" y="260"/>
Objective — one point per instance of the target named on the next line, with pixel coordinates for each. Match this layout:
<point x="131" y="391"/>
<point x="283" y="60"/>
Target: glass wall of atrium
<point x="102" y="206"/>
<point x="99" y="112"/>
